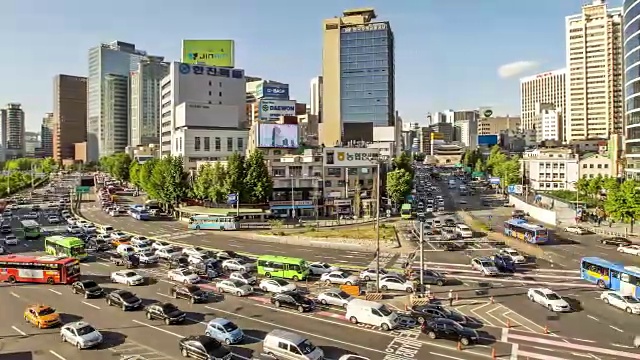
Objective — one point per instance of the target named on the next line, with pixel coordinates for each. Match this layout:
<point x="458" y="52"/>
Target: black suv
<point x="88" y="288"/>
<point x="192" y="293"/>
<point x="203" y="347"/>
<point x="617" y="241"/>
<point x="126" y="300"/>
<point x="292" y="299"/>
<point x="166" y="312"/>
<point x="423" y="313"/>
<point x="450" y="330"/>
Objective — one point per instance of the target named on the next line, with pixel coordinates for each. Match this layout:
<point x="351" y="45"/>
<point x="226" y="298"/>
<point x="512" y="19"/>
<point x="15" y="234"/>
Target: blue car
<point x="224" y="330"/>
<point x="504" y="263"/>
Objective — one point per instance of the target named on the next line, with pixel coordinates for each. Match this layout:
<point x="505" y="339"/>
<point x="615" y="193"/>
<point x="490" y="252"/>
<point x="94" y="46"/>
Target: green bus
<point x="65" y="246"/>
<point x="30" y="228"/>
<point x="283" y="267"/>
<point x="406" y="212"/>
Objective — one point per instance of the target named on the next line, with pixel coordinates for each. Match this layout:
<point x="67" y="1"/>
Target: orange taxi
<point x="42" y="316"/>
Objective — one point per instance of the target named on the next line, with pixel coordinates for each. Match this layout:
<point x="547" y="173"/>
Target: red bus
<point x="39" y="269"/>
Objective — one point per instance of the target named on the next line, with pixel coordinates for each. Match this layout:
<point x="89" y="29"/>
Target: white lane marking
<point x="90" y="304"/>
<point x="103" y="264"/>
<point x="445" y="356"/>
<point x="55" y="291"/>
<point x="19" y="331"/>
<point x="593" y="318"/>
<point x="14" y="295"/>
<point x="615" y="328"/>
<point x="56" y="355"/>
<point x="83" y="264"/>
<point x="165" y="295"/>
<point x="505" y="335"/>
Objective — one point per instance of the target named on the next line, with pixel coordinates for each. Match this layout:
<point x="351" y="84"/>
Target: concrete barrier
<point x="547" y="216"/>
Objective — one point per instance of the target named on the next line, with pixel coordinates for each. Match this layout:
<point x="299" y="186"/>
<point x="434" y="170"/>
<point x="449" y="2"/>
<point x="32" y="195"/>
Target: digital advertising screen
<point x="278" y="136"/>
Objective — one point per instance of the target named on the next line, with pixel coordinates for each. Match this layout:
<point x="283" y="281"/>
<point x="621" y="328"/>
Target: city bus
<point x="30" y="228"/>
<point x="521" y="229"/>
<point x="65" y="246"/>
<point x="610" y="275"/>
<point x="406" y="211"/>
<point x="283" y="267"/>
<point x="39" y="269"/>
<point x="214" y="222"/>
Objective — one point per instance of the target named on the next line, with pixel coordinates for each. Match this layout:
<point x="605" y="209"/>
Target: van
<point x="372" y="313"/>
<point x="464" y="231"/>
<point x="125" y="249"/>
<point x="105" y="229"/>
<point x="285" y="345"/>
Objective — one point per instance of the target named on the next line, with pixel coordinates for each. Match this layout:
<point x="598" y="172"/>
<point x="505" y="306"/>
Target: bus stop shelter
<point x="185" y="212"/>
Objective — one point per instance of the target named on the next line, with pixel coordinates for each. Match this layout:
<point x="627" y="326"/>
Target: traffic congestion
<point x="118" y="291"/>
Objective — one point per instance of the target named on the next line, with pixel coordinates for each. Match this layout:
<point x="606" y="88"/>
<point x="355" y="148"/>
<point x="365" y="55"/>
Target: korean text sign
<point x="350" y="157"/>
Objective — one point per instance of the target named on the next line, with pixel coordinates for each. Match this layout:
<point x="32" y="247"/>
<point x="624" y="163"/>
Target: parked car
<point x="166" y="312"/>
<point x="576" y="230"/>
<point x="293" y="300"/>
<point x="276" y="285"/>
<point x="234" y="287"/>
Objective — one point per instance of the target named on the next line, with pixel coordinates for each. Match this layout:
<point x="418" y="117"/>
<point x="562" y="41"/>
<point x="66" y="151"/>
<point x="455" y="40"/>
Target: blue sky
<point x="447" y="52"/>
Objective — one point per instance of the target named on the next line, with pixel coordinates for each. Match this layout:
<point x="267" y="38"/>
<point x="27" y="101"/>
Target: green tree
<point x="48" y="165"/>
<point x="419" y="157"/>
<point x="234" y="182"/>
<point x="399" y="185"/>
<point x="479" y="167"/>
<point x="120" y="163"/>
<point x="610" y="184"/>
<point x="623" y="204"/>
<point x="403" y="162"/>
<point x="258" y="182"/>
<point x="595" y="186"/>
<point x="582" y="186"/>
<point x="176" y="183"/>
<point x="204" y="181"/>
<point x="146" y="178"/>
<point x="134" y="174"/>
<point x="496" y="157"/>
<point x="217" y="192"/>
<point x="467" y="158"/>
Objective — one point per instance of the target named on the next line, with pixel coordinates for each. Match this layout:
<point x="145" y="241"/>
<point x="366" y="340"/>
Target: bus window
<point x="294" y="268"/>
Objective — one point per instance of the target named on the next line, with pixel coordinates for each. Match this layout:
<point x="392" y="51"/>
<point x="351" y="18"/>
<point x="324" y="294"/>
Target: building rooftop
<point x="369" y="12"/>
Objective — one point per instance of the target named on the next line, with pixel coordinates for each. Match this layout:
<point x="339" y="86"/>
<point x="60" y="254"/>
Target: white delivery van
<point x="285" y="345"/>
<point x="125" y="249"/>
<point x="372" y="313"/>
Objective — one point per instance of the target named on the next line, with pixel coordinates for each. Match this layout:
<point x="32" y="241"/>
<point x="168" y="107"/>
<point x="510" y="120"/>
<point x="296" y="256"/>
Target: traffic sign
<point x="232" y="198"/>
<point x="83" y="189"/>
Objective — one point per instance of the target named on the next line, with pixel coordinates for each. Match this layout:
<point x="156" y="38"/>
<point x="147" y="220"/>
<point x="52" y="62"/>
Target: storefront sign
<point x="343" y="202"/>
<point x="350" y="157"/>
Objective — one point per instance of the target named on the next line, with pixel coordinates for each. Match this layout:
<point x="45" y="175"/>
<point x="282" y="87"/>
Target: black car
<point x="166" y="312"/>
<point x="203" y="347"/>
<point x="88" y="288"/>
<point x="124" y="299"/>
<point x="293" y="300"/>
<point x="617" y="241"/>
<point x="450" y="222"/>
<point x="192" y="293"/>
<point x="423" y="313"/>
<point x="450" y="330"/>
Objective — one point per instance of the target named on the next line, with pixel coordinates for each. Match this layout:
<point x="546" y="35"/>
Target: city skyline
<point x="522" y="49"/>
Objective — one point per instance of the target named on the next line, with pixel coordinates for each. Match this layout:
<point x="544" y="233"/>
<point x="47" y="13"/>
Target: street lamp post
<point x="293" y="200"/>
<point x="378" y="225"/>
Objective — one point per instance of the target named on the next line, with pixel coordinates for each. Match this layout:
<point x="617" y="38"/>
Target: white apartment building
<point x="144" y="100"/>
<point x="551" y="168"/>
<point x="592" y="165"/>
<point x="594" y="100"/>
<point x="544" y="88"/>
<point x="466" y="132"/>
<point x="548" y="123"/>
<point x="315" y="97"/>
<point x="202" y="107"/>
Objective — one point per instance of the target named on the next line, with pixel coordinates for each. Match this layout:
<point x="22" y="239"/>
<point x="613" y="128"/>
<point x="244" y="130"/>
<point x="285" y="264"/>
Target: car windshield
<point x="631" y="299"/>
<point x="382" y="271"/>
<point x="46" y="311"/>
<point x="148" y="253"/>
<point x="90" y="284"/>
<point x="187" y="272"/>
<point x="306" y="347"/>
<point x="243" y="275"/>
<point x="130" y="274"/>
<point x="236" y="283"/>
<point x="84" y="330"/>
<point x="343" y="295"/>
<point x="553" y="296"/>
<point x="281" y="282"/>
<point x="455" y="325"/>
<point x="487" y="264"/>
<point x="170" y="250"/>
<point x="384" y="311"/>
<point x="229" y="327"/>
<point x="324" y="265"/>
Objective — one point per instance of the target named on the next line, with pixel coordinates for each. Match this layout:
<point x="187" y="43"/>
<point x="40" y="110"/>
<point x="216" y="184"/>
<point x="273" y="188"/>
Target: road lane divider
<point x="19" y="331"/>
<point x="57" y="355"/>
<point x="55" y="292"/>
<point x="91" y="305"/>
<point x="14" y="295"/>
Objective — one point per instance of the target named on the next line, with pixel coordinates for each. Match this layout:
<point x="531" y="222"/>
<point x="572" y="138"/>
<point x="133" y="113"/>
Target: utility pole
<point x="422" y="257"/>
<point x="378" y="225"/>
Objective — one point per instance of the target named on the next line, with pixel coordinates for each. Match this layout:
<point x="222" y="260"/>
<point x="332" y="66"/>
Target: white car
<point x="190" y="250"/>
<point x="339" y="277"/>
<point x="629" y="249"/>
<point x="147" y="257"/>
<point x="353" y="357"/>
<point x="119" y="235"/>
<point x="104" y="237"/>
<point x="197" y="259"/>
<point x="168" y="252"/>
<point x="370" y="274"/>
<point x="276" y="285"/>
<point x="394" y="283"/>
<point x="127" y="277"/>
<point x="576" y="230"/>
<point x="485" y="265"/>
<point x="429" y="209"/>
<point x="549" y="299"/>
<point x="243" y="277"/>
<point x="141" y="248"/>
<point x="140" y="241"/>
<point x="234" y="287"/>
<point x="625" y="302"/>
<point x="53" y="219"/>
<point x="11" y="240"/>
<point x="319" y="268"/>
<point x="80" y="334"/>
<point x="335" y="298"/>
<point x="238" y="265"/>
<point x="74" y="229"/>
<point x="31" y="215"/>
<point x="157" y="245"/>
<point x="183" y="275"/>
<point x="513" y="255"/>
<point x="89" y="229"/>
<point x="70" y="221"/>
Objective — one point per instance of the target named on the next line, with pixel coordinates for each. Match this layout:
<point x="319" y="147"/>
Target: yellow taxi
<point x="41" y="316"/>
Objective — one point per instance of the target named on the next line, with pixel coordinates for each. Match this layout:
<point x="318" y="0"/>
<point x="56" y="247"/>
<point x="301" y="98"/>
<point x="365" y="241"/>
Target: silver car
<point x="335" y="298"/>
<point x="339" y="277"/>
<point x="235" y="287"/>
<point x="80" y="334"/>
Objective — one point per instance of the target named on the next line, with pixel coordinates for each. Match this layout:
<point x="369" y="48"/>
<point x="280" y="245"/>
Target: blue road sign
<point x="232" y="198"/>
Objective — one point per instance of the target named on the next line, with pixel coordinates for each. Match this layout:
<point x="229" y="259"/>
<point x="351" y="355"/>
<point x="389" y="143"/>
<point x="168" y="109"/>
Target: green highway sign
<point x="83" y="189"/>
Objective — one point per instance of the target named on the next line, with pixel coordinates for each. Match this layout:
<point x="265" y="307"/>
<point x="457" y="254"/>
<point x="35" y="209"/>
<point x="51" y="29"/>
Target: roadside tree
<point x="403" y="162"/>
<point x="236" y="174"/>
<point x="217" y="192"/>
<point x="258" y="182"/>
<point x="419" y="157"/>
<point x="610" y="184"/>
<point x="399" y="185"/>
<point x="134" y="174"/>
<point x="203" y="182"/>
<point x="48" y="165"/>
<point x="623" y="204"/>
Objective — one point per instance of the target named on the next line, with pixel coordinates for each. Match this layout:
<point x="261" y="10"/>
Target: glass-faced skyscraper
<point x="108" y="97"/>
<point x="358" y="77"/>
<point x="631" y="41"/>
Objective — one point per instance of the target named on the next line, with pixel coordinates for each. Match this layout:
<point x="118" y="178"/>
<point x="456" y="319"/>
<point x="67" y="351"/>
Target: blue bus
<point x="610" y="275"/>
<point x="214" y="222"/>
<point x="521" y="229"/>
<point x="139" y="213"/>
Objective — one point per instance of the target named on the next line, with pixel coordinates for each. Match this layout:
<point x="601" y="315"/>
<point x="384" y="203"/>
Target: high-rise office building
<point x="358" y="77"/>
<point x="107" y="102"/>
<point x="544" y="88"/>
<point x="13" y="131"/>
<point x="31" y="143"/>
<point x="315" y="97"/>
<point x="631" y="41"/>
<point x="145" y="100"/>
<point x="594" y="98"/>
<point x="69" y="115"/>
<point x="46" y="135"/>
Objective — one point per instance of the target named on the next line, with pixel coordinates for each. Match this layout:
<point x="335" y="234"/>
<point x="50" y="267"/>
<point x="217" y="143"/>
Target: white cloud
<point x="516" y="68"/>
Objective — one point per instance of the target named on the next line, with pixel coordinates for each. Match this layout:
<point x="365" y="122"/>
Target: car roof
<point x="76" y="324"/>
<point x="39" y="307"/>
<point x="544" y="290"/>
<point x="219" y="321"/>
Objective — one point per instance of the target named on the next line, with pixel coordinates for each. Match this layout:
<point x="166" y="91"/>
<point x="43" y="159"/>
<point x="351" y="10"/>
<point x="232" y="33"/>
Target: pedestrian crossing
<point x="131" y="350"/>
